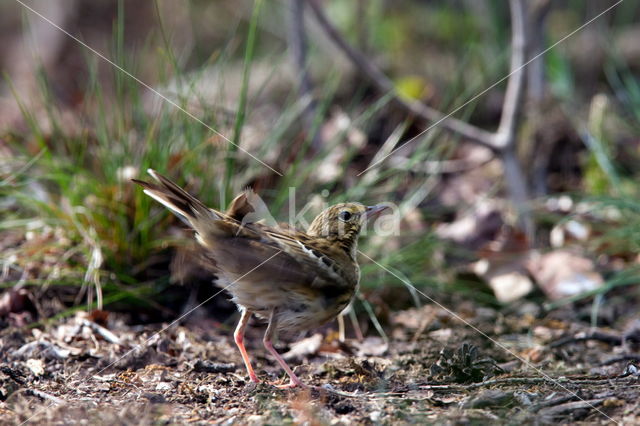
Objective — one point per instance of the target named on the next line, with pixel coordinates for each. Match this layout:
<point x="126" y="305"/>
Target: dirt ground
<point x="531" y="367"/>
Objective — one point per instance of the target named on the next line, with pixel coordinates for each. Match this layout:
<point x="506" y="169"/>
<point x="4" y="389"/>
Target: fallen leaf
<point x="510" y="286"/>
<point x="442" y="335"/>
<point x="371" y="346"/>
<point x="304" y="347"/>
<point x="562" y="273"/>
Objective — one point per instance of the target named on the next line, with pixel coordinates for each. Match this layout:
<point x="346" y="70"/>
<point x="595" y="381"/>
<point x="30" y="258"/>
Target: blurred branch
<point x="503" y="141"/>
<point x="297" y="41"/>
<point x="362" y="25"/>
<point x="505" y="138"/>
<point x="443" y="167"/>
<point x="541" y="145"/>
<point x="538" y="12"/>
<point x="384" y="84"/>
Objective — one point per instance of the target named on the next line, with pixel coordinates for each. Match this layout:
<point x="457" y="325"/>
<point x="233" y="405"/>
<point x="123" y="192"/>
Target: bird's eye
<point x="345" y="215"/>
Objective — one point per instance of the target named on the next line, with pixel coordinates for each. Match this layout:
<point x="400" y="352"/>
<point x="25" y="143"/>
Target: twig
<point x="491" y="382"/>
<point x="357" y="330"/>
<point x="43" y="395"/>
<point x="557" y="410"/>
<point x="443" y="167"/>
<point x="611" y="339"/>
<point x="511" y="381"/>
<point x="530" y="381"/>
<point x="621" y="358"/>
<point x="373" y="318"/>
<point x="103" y="332"/>
<point x="581" y="381"/>
<point x="552" y="402"/>
<point x="371" y="396"/>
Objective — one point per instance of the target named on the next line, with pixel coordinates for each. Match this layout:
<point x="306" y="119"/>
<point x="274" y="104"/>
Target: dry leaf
<point x="510" y="286"/>
<point x="562" y="273"/>
<point x="371" y="346"/>
<point x="443" y="335"/>
<point x="304" y="347"/>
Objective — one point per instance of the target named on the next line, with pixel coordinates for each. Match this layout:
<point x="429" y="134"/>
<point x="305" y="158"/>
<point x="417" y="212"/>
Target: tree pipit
<point x="295" y="280"/>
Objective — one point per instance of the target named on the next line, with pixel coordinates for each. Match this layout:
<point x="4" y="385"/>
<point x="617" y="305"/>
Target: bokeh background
<point x="506" y="132"/>
<point x="529" y="195"/>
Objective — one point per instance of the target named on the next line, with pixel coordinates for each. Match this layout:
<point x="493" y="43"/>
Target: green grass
<point x="242" y="104"/>
<point x="610" y="174"/>
<point x="117" y="241"/>
<point x="113" y="232"/>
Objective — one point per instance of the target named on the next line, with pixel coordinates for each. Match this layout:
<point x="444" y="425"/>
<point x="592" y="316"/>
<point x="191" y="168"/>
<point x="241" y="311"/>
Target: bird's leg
<point x="238" y="336"/>
<point x="271" y="328"/>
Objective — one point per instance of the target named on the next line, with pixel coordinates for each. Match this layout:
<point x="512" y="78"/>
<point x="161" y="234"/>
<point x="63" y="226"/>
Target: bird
<point x="295" y="280"/>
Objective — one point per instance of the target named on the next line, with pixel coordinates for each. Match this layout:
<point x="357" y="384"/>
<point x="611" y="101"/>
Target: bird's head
<point x="343" y="222"/>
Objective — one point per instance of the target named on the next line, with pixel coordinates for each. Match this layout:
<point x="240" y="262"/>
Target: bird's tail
<point x="184" y="205"/>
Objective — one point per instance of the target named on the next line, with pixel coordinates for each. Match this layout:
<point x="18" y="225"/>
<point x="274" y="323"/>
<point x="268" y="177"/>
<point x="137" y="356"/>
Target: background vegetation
<point x="506" y="132"/>
<point x="189" y="89"/>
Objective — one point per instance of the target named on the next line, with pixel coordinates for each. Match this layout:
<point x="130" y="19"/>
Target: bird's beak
<point x="372" y="212"/>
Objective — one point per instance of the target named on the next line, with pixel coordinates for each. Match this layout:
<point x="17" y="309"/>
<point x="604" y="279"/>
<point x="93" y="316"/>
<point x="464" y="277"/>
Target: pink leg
<point x="294" y="381"/>
<point x="238" y="336"/>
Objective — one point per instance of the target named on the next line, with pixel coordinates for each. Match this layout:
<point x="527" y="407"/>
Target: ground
<point x="528" y="367"/>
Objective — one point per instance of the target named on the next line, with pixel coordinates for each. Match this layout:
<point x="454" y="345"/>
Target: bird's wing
<point x="247" y="251"/>
<point x="289" y="259"/>
<point x="311" y="253"/>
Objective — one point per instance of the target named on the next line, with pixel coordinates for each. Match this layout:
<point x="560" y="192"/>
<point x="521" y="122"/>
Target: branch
<point x="297" y="40"/>
<point x="505" y="136"/>
<point x="385" y="85"/>
<point x="611" y="339"/>
<point x="502" y="142"/>
<point x="621" y="358"/>
<point x="569" y="407"/>
<point x="45" y="396"/>
<point x="538" y="12"/>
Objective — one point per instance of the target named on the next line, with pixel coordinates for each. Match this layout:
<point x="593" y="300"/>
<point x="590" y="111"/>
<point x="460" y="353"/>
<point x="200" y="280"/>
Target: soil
<point x="523" y="366"/>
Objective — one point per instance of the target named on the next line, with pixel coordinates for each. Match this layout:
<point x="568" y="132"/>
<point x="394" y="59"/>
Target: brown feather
<point x="310" y="277"/>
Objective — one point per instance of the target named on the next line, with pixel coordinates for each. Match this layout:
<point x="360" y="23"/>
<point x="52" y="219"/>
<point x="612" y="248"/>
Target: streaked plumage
<point x="310" y="276"/>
